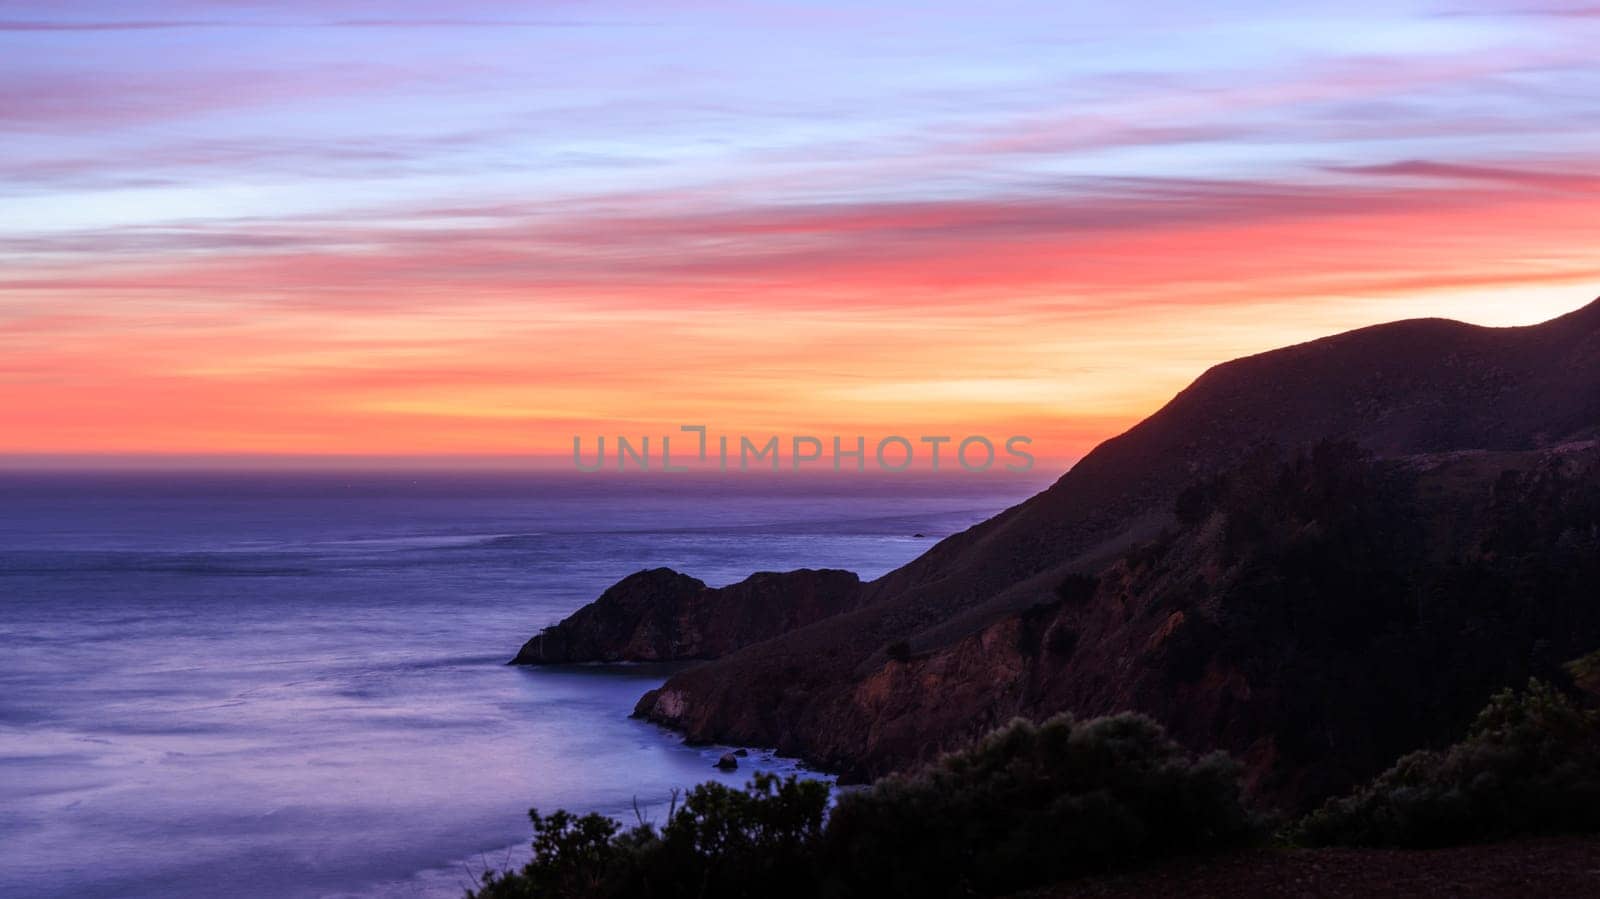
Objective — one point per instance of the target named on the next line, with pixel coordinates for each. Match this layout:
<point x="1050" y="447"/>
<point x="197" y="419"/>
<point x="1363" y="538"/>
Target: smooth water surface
<point x="294" y="685"/>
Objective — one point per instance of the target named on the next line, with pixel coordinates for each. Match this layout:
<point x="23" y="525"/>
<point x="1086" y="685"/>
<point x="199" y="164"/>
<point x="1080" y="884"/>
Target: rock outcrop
<point x="1106" y="592"/>
<point x="1317" y="616"/>
<point x="660" y="615"/>
<point x="962" y="616"/>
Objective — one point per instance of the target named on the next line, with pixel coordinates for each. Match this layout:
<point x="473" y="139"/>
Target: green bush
<point x="1530" y="764"/>
<point x="1032" y="804"/>
<point x="1585" y="673"/>
<point x="756" y="842"/>
<point x="572" y="856"/>
<point x="1027" y="805"/>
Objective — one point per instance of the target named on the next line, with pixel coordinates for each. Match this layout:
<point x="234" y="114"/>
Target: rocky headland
<point x="1316" y="558"/>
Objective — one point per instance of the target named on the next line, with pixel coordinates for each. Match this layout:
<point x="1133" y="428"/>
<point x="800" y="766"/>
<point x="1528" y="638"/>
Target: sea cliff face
<point x="1317" y="558"/>
<point x="1316" y="618"/>
<point x="660" y="615"/>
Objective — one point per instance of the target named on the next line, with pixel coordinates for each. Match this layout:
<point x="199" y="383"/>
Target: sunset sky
<point x="428" y="228"/>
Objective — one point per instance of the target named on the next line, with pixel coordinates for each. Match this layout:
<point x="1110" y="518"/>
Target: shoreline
<point x="453" y="877"/>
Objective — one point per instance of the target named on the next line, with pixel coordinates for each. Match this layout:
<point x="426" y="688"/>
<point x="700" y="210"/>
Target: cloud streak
<point x="1581" y="181"/>
<point x="27" y="26"/>
<point x="649" y="238"/>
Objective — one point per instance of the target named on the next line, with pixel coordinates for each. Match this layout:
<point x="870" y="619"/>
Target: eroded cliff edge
<point x="1181" y="570"/>
<point x="1317" y="614"/>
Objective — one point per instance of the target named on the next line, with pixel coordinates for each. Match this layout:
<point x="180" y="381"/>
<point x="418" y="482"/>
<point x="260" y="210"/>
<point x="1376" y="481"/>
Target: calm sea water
<point x="294" y="685"/>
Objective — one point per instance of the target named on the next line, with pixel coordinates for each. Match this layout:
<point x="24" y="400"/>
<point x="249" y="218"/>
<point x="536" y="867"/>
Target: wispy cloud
<point x="1558" y="12"/>
<point x="71" y="25"/>
<point x="1582" y="181"/>
<point x="154" y="25"/>
<point x="84" y="101"/>
<point x="1076" y="235"/>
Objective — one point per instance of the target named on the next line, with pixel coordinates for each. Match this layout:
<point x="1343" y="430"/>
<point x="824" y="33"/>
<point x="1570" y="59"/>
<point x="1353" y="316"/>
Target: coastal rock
<point x="728" y="762"/>
<point x="660" y="615"/>
<point x="1351" y="609"/>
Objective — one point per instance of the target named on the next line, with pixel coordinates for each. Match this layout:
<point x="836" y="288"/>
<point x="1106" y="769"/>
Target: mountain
<point x="1251" y="621"/>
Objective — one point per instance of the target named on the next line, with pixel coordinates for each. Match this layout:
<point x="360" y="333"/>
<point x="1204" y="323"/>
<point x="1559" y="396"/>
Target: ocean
<point x="293" y="684"/>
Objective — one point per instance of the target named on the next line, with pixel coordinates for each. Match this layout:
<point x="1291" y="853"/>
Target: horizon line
<point x="530" y="463"/>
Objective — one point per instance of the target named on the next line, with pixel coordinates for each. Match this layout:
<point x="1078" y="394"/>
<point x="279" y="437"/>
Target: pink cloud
<point x="1513" y="177"/>
<point x="1110" y="237"/>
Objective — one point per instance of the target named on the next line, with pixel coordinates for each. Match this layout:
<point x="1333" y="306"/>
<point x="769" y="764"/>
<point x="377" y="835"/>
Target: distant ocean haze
<point x="293" y="683"/>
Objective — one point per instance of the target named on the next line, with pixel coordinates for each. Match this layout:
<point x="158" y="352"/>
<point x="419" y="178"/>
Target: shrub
<point x="1031" y="804"/>
<point x="572" y="856"/>
<point x="1026" y="805"/>
<point x="1530" y="764"/>
<point x="1585" y="673"/>
<point x="756" y="842"/>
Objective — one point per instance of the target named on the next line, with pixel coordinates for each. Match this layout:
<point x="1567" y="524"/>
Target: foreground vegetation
<point x="1530" y="765"/>
<point x="1027" y="805"/>
<point x="1035" y="804"/>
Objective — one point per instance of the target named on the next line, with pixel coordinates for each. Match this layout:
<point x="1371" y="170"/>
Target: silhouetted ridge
<point x="1588" y="317"/>
<point x="983" y="626"/>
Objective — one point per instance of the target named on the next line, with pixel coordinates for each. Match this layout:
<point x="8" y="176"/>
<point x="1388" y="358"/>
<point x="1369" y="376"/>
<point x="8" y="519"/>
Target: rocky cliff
<point x="1317" y="642"/>
<point x="1317" y="614"/>
<point x="660" y="615"/>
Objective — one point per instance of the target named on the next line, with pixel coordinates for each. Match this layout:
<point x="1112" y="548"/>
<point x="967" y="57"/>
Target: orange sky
<point x="409" y="346"/>
<point x="1009" y="245"/>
